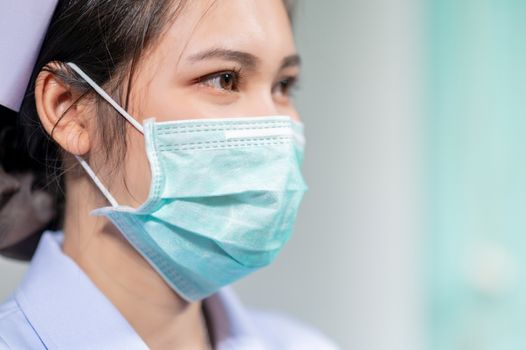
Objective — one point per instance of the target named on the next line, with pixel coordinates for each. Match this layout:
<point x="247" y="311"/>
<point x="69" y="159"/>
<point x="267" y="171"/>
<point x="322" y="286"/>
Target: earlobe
<point x="61" y="116"/>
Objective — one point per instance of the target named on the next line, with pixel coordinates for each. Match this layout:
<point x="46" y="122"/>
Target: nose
<point x="263" y="104"/>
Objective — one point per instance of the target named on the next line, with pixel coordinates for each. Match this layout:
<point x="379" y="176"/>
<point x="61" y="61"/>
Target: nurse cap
<point x="23" y="211"/>
<point x="23" y="26"/>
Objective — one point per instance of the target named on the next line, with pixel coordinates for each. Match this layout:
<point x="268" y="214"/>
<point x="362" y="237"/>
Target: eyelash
<point x="288" y="84"/>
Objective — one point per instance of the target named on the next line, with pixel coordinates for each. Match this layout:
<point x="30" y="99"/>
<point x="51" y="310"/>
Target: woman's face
<point x="223" y="58"/>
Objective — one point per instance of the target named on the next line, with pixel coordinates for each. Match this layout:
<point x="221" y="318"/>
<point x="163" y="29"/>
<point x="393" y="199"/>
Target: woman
<point x="177" y="146"/>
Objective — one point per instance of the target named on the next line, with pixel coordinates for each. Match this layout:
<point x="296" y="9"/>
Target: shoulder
<point x="281" y="331"/>
<point x="15" y="330"/>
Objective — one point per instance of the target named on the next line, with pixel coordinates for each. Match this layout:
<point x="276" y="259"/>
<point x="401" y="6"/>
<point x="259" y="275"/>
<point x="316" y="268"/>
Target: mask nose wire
<point x="119" y="109"/>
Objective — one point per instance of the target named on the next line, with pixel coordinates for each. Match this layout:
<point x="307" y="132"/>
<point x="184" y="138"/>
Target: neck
<point x="158" y="315"/>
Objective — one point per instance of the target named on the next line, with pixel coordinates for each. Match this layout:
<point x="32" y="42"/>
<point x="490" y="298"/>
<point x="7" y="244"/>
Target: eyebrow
<point x="243" y="58"/>
<point x="291" y="61"/>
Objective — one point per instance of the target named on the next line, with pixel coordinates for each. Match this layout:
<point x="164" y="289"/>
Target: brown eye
<point x="228" y="81"/>
<point x="285" y="86"/>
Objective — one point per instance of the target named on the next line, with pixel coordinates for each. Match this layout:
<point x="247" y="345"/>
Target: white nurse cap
<point x="23" y="26"/>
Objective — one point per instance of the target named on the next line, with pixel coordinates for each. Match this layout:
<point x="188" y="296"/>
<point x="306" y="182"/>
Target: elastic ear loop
<point x="119" y="109"/>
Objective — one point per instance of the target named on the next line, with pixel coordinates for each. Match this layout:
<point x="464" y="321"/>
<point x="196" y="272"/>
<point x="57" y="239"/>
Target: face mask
<point x="223" y="198"/>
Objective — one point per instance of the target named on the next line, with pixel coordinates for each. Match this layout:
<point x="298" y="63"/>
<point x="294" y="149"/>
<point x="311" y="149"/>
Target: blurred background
<point x="412" y="235"/>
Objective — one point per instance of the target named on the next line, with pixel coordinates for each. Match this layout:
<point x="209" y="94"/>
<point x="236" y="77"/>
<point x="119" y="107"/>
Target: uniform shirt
<point x="58" y="307"/>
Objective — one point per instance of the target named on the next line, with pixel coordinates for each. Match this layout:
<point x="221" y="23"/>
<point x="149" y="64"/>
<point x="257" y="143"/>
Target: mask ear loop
<point x="119" y="109"/>
<point x="107" y="97"/>
<point x="97" y="182"/>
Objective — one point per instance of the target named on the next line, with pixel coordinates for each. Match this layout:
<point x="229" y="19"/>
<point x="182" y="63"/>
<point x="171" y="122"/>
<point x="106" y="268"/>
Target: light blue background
<point x="477" y="174"/>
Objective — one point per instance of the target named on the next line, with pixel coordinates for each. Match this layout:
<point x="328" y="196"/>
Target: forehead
<point x="260" y="27"/>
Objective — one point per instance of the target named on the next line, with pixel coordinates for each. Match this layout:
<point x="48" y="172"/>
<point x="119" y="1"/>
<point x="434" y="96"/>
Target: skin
<point x="174" y="81"/>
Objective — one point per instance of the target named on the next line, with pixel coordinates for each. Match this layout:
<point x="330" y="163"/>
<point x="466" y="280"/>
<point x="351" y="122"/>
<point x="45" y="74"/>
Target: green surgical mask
<point x="223" y="199"/>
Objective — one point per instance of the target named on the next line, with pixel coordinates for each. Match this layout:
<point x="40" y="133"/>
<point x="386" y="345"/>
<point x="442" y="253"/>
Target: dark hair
<point x="107" y="38"/>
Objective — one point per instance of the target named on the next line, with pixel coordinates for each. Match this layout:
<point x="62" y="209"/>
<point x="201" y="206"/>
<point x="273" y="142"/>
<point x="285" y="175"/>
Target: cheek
<point x="137" y="175"/>
<point x="288" y="109"/>
<point x="187" y="102"/>
<point x="166" y="101"/>
<point x="181" y="103"/>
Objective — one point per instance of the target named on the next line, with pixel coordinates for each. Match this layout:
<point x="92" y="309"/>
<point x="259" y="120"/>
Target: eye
<point x="286" y="86"/>
<point x="227" y="81"/>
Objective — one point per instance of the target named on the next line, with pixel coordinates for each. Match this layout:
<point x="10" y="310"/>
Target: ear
<point x="65" y="120"/>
